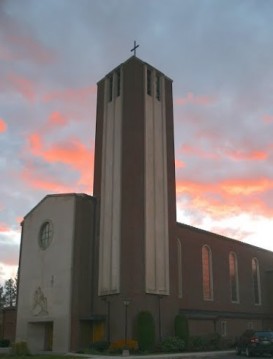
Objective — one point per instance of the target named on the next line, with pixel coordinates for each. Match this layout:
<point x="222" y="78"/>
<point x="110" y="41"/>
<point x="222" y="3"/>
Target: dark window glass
<point x="256" y="281"/>
<point x="118" y="82"/>
<point x="110" y="88"/>
<point x="45" y="236"/>
<point x="233" y="276"/>
<point x="149" y="82"/>
<point x="158" y="87"/>
<point x="207" y="273"/>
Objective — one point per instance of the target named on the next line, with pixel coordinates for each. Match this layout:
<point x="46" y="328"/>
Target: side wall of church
<point x="239" y="315"/>
<point x="45" y="276"/>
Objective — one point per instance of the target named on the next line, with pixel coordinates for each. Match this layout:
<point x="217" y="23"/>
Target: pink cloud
<point x="218" y="152"/>
<point x="19" y="219"/>
<point x="229" y="197"/>
<point x="268" y="118"/>
<point x="22" y="85"/>
<point x="40" y="182"/>
<point x="20" y="44"/>
<point x="56" y="118"/>
<point x="5" y="53"/>
<point x="35" y="143"/>
<point x="246" y="186"/>
<point x="247" y="155"/>
<point x="4" y="228"/>
<point x="3" y="125"/>
<point x="71" y="152"/>
<point x="179" y="163"/>
<point x="195" y="151"/>
<point x="192" y="99"/>
<point x="80" y="95"/>
<point x="237" y="233"/>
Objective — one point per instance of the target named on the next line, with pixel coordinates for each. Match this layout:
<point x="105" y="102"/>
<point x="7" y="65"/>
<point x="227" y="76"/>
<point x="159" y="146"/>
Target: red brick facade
<point x="8" y="324"/>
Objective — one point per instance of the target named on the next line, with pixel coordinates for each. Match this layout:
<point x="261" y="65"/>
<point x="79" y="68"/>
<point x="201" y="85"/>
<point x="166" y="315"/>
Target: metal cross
<point x="134" y="48"/>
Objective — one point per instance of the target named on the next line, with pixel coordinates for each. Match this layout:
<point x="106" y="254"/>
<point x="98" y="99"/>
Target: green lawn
<point x="42" y="356"/>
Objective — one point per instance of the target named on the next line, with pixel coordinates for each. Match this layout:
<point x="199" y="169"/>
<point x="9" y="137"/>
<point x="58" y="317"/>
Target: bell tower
<point x="134" y="180"/>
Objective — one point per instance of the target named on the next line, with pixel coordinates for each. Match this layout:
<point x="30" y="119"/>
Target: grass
<point x="41" y="356"/>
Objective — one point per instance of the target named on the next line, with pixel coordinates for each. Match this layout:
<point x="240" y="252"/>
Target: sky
<point x="219" y="54"/>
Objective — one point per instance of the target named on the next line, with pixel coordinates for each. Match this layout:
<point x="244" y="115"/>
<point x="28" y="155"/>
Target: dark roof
<point x="219" y="236"/>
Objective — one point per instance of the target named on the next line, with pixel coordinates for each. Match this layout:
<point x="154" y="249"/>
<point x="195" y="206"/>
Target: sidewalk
<point x="215" y="354"/>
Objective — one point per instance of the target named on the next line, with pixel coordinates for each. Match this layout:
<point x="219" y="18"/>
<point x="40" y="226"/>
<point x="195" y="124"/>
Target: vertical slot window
<point x="256" y="281"/>
<point x="149" y="82"/>
<point x="158" y="87"/>
<point x="179" y="267"/>
<point x="110" y="95"/>
<point x="118" y="82"/>
<point x="207" y="273"/>
<point x="223" y="328"/>
<point x="233" y="277"/>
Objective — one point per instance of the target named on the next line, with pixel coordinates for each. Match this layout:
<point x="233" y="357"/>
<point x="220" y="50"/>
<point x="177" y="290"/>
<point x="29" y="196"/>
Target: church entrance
<point x="40" y="336"/>
<point x="48" y="341"/>
<point x="91" y="332"/>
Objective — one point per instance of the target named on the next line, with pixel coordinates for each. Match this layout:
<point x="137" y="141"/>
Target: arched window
<point x="207" y="273"/>
<point x="233" y="277"/>
<point x="179" y="267"/>
<point x="256" y="281"/>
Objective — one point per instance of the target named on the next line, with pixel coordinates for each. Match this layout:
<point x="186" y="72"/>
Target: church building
<point x="90" y="264"/>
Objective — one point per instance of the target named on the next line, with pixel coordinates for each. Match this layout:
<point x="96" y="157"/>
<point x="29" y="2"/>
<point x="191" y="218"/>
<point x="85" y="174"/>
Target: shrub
<point x="196" y="343"/>
<point x="210" y="341"/>
<point x="145" y="331"/>
<point x="181" y="328"/>
<point x="20" y="348"/>
<point x="119" y="345"/>
<point x="4" y="343"/>
<point x="99" y="346"/>
<point x="172" y="345"/>
<point x="214" y="340"/>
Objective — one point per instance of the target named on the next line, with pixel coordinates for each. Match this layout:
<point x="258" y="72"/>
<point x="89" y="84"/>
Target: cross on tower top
<point x="134" y="48"/>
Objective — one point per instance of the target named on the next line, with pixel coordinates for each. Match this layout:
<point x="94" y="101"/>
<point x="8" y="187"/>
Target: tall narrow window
<point x="207" y="273"/>
<point x="233" y="277"/>
<point x="158" y="87"/>
<point x="223" y="328"/>
<point x="256" y="281"/>
<point x="110" y="88"/>
<point x="149" y="82"/>
<point x="118" y="82"/>
<point x="179" y="267"/>
<point x="250" y="325"/>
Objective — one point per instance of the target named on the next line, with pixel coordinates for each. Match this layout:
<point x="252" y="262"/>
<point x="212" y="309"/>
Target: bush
<point x="4" y="343"/>
<point x="181" y="328"/>
<point x="172" y="345"/>
<point x="145" y="331"/>
<point x="99" y="346"/>
<point x="214" y="341"/>
<point x="20" y="348"/>
<point x="119" y="345"/>
<point x="210" y="341"/>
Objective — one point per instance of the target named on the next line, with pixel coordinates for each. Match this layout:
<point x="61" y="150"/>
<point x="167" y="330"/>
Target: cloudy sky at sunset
<point x="219" y="54"/>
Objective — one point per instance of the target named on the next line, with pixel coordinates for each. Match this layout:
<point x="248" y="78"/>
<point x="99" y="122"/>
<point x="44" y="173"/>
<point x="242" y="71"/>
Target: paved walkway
<point x="215" y="354"/>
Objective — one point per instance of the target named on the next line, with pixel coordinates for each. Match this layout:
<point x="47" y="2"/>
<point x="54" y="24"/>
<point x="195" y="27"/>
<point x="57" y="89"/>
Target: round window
<point x="46" y="235"/>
